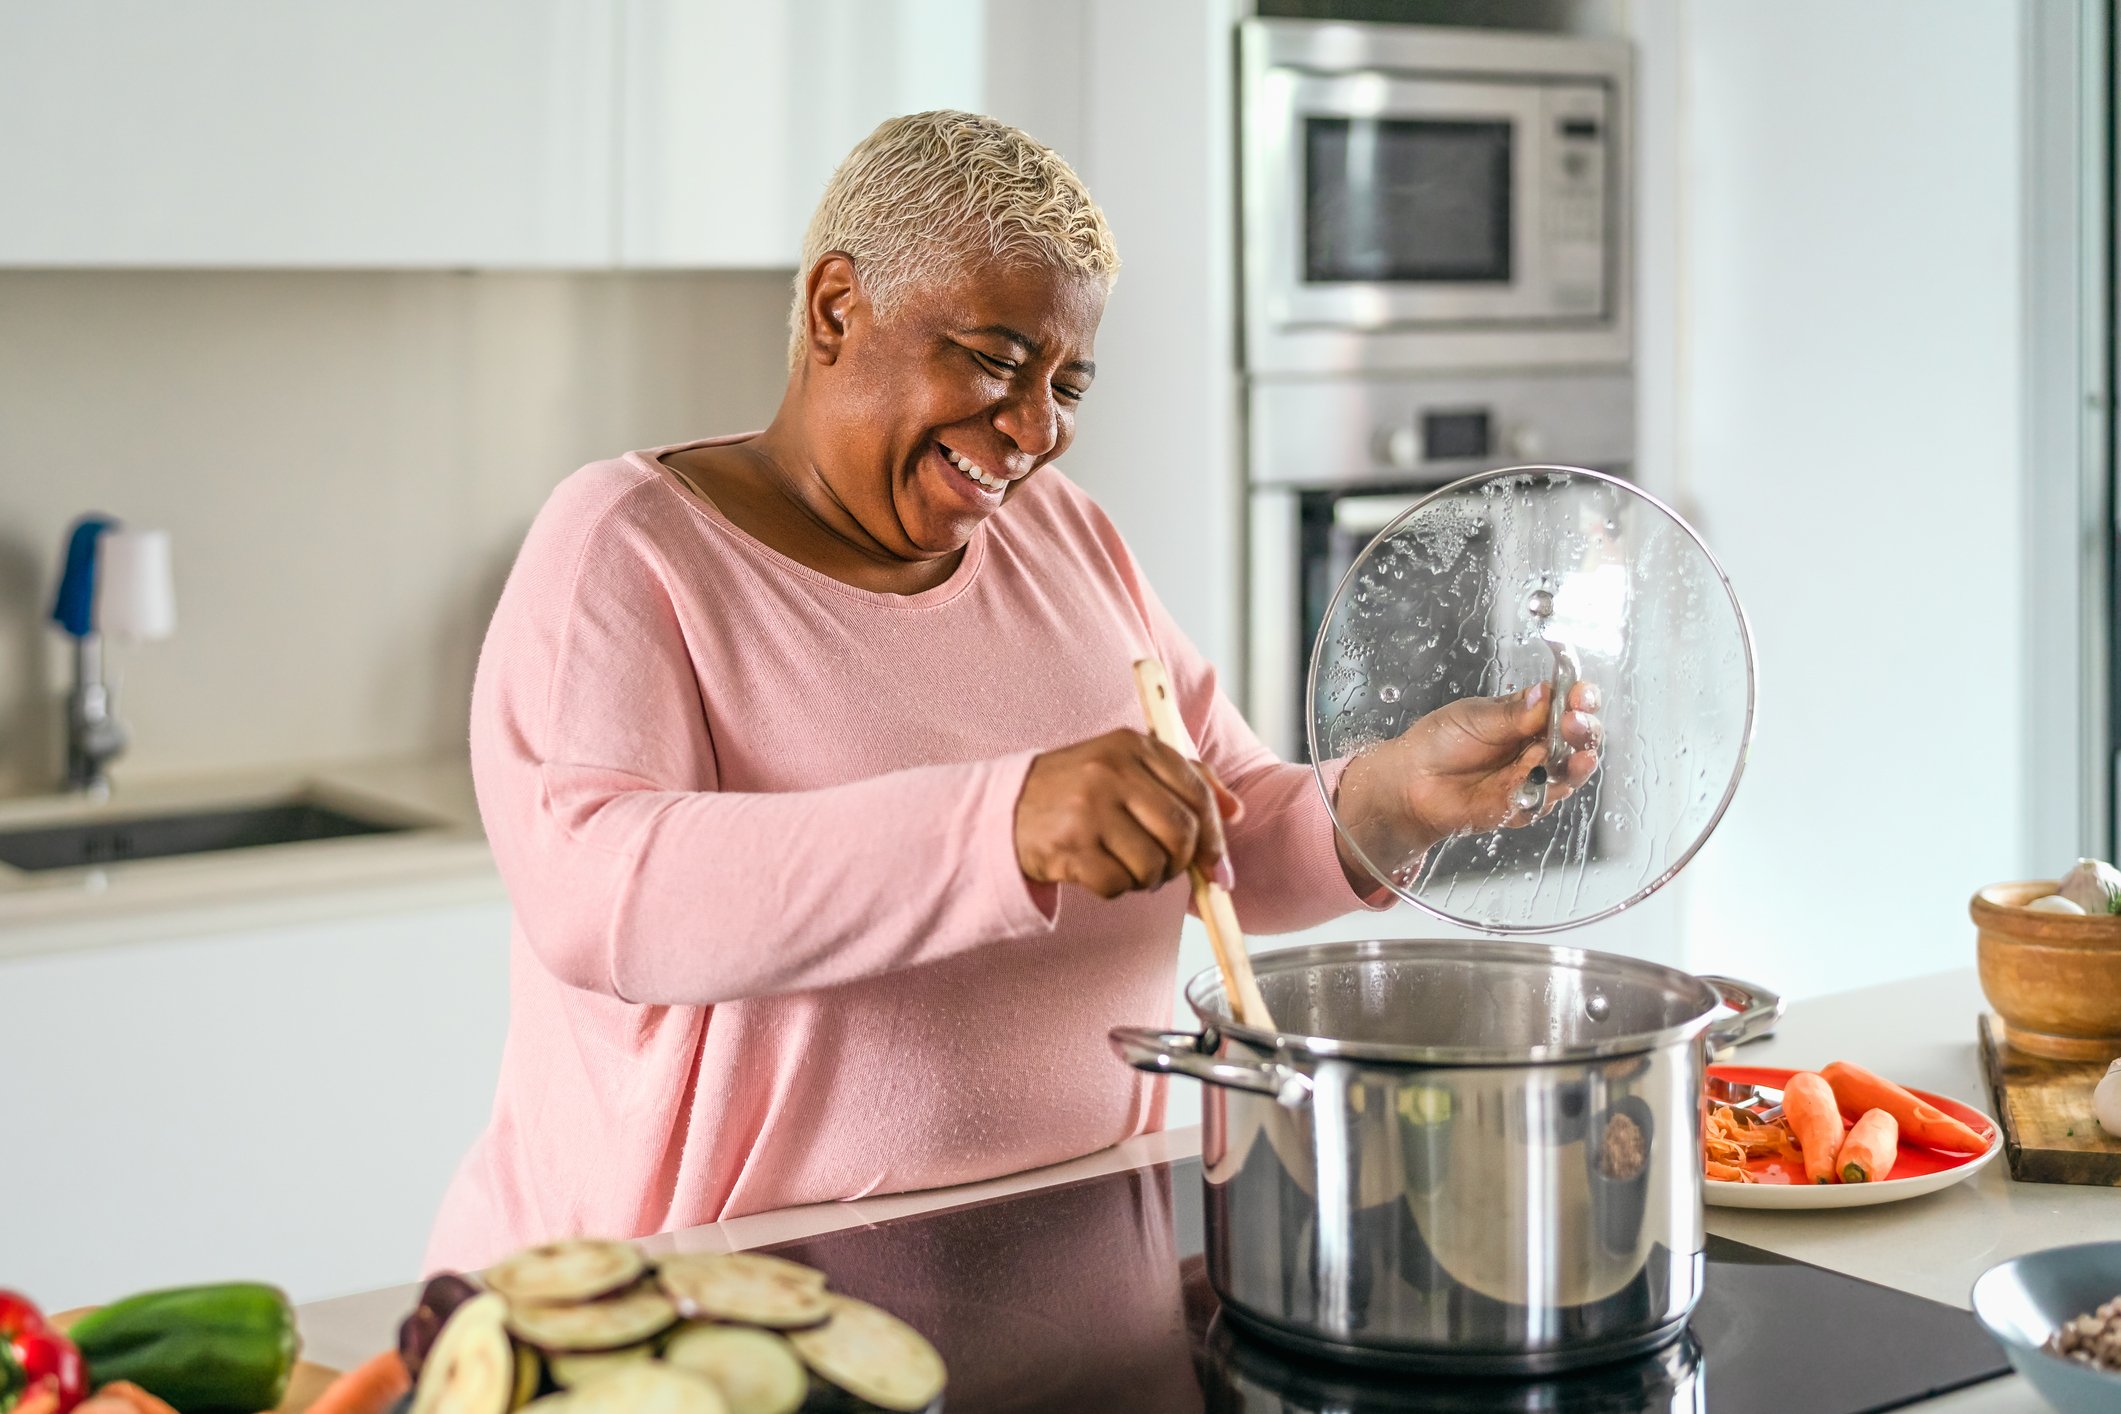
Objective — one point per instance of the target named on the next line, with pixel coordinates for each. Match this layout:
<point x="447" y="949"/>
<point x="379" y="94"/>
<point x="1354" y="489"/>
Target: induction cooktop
<point x="1093" y="1296"/>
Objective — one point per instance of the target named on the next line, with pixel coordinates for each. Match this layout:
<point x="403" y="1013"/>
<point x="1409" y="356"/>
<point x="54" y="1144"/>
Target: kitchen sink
<point x="77" y="844"/>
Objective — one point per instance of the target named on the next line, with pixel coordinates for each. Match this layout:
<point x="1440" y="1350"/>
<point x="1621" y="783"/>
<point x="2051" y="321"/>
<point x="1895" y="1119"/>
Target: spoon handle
<point x="1210" y="899"/>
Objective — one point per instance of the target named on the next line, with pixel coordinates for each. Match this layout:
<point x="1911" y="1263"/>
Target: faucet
<point x="115" y="580"/>
<point x="94" y="735"/>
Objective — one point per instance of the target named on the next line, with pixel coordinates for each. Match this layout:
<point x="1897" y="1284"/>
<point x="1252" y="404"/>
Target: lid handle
<point x="1532" y="795"/>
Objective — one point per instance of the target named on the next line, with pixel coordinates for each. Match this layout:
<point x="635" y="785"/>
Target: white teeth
<point x="971" y="469"/>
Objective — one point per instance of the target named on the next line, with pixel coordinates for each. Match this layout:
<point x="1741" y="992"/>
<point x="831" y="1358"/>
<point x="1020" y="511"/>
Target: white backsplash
<point x="345" y="462"/>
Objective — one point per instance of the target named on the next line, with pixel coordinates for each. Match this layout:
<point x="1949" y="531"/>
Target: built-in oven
<point x="1421" y="198"/>
<point x="1333" y="461"/>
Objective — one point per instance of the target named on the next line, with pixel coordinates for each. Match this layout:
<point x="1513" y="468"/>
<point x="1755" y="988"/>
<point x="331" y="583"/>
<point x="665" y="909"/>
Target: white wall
<point x="1137" y="97"/>
<point x="346" y="464"/>
<point x="1847" y="428"/>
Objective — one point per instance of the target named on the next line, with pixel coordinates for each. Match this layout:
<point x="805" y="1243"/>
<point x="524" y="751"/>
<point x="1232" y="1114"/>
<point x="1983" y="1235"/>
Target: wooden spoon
<point x="1210" y="899"/>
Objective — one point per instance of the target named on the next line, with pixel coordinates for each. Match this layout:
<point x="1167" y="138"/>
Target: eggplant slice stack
<point x="590" y="1327"/>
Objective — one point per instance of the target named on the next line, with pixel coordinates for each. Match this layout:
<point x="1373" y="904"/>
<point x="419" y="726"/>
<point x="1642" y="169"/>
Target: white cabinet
<point x="312" y="133"/>
<point x="284" y="1103"/>
<point x="581" y="134"/>
<point x="734" y="114"/>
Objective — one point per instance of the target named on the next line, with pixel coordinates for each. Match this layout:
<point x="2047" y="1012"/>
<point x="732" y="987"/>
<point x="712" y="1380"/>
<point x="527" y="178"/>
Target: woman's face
<point x="939" y="409"/>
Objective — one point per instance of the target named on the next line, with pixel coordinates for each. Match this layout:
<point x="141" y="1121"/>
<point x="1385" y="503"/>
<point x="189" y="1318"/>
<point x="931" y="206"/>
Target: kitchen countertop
<point x="1919" y="1032"/>
<point x="442" y="860"/>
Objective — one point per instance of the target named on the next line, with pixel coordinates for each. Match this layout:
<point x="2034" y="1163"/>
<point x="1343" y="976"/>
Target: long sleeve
<point x="636" y="877"/>
<point x="1282" y="852"/>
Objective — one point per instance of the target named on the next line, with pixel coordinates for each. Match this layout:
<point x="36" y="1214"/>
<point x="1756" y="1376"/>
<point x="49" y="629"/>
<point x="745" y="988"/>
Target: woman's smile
<point x="974" y="471"/>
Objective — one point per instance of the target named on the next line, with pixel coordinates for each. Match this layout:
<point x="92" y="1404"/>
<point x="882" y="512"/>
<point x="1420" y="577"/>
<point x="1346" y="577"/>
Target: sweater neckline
<point x="651" y="460"/>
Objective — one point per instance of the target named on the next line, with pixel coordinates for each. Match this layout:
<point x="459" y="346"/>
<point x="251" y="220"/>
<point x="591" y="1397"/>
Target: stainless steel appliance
<point x="1464" y="1156"/>
<point x="1436" y="256"/>
<point x="1421" y="198"/>
<point x="1332" y="461"/>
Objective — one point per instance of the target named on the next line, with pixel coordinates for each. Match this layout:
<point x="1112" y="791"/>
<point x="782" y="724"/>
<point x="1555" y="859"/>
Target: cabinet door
<point x="734" y="114"/>
<point x="286" y="1103"/>
<point x="307" y="133"/>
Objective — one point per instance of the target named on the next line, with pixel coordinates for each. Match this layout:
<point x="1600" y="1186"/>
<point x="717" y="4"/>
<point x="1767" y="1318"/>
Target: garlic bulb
<point x="2054" y="903"/>
<point x="2093" y="886"/>
<point x="2106" y="1100"/>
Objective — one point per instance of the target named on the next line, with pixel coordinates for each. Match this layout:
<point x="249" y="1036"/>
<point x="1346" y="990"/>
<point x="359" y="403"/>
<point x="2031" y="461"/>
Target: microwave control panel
<point x="1573" y="188"/>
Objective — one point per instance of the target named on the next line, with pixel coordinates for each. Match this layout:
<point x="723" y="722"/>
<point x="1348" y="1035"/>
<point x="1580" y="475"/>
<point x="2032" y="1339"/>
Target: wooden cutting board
<point x="2045" y="1107"/>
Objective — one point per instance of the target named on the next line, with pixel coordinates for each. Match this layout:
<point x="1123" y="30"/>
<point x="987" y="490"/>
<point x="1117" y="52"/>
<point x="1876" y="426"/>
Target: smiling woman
<point x="808" y="755"/>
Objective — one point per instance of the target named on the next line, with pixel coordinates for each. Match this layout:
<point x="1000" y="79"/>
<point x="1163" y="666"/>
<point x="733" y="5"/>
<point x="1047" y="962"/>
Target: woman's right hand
<point x="1120" y="812"/>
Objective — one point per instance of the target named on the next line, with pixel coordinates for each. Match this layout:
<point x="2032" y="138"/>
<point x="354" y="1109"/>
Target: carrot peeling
<point x="1868" y="1152"/>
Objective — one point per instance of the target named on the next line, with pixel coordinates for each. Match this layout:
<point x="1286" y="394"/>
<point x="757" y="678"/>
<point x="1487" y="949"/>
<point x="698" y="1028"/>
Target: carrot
<point x="122" y="1397"/>
<point x="368" y="1388"/>
<point x="1808" y="1105"/>
<point x="1858" y="1090"/>
<point x="1867" y="1154"/>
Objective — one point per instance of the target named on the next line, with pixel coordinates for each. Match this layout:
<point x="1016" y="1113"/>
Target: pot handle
<point x="1187" y="1053"/>
<point x="1758" y="1010"/>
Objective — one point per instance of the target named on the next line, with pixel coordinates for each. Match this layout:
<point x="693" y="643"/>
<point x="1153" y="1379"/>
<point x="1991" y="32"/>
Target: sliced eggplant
<point x="576" y="1269"/>
<point x="629" y="1318"/>
<point x="746" y="1287"/>
<point x="649" y="1387"/>
<point x="569" y="1371"/>
<point x="873" y="1355"/>
<point x="439" y="1300"/>
<point x="756" y="1371"/>
<point x="472" y="1367"/>
<point x="530" y="1373"/>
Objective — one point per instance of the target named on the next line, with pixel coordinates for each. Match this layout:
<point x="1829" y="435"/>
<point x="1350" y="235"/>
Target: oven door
<point x="1303" y="542"/>
<point x="1384" y="200"/>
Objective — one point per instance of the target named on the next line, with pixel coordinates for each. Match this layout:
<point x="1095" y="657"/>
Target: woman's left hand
<point x="1458" y="770"/>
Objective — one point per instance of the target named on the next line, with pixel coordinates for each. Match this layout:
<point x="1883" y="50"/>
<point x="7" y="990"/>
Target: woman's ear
<point x="829" y="297"/>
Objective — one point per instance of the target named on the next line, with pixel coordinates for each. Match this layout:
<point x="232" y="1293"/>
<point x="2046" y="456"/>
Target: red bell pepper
<point x="49" y="1363"/>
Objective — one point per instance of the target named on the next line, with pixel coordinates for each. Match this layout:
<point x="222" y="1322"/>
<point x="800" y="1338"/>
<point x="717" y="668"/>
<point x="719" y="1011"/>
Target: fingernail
<point x="1535" y="694"/>
<point x="1592" y="697"/>
<point x="1223" y="874"/>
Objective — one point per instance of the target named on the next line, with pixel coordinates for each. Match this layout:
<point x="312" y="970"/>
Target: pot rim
<point x="1287" y="960"/>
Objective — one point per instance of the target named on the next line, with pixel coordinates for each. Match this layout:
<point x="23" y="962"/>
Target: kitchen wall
<point x="1833" y="390"/>
<point x="345" y="462"/>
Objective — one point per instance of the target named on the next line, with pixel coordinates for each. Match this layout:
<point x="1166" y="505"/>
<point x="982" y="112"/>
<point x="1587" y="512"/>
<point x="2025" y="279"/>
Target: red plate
<point x="1915" y="1161"/>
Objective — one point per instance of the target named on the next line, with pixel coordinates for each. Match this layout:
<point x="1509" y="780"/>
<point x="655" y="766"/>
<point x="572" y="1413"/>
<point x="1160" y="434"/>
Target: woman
<point x="810" y="757"/>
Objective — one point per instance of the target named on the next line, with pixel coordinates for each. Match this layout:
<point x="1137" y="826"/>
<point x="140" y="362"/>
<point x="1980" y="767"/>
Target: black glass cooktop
<point x="1092" y="1296"/>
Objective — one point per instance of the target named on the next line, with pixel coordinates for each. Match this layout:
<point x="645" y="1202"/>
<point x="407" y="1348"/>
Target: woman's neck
<point x="773" y="489"/>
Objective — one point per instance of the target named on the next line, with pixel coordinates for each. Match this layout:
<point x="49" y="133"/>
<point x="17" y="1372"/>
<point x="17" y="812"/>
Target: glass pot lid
<point x="1527" y="575"/>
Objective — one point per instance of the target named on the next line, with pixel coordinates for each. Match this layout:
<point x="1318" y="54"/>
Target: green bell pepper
<point x="225" y="1349"/>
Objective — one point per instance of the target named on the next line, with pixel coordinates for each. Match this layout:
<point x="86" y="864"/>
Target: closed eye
<point x="1000" y="366"/>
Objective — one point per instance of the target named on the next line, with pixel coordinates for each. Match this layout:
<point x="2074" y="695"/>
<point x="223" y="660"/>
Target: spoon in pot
<point x="1210" y="899"/>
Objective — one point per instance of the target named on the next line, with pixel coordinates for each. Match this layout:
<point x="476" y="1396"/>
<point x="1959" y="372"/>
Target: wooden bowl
<point x="2054" y="978"/>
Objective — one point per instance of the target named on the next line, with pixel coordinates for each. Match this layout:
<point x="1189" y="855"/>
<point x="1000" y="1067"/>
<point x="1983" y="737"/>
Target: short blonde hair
<point x="927" y="192"/>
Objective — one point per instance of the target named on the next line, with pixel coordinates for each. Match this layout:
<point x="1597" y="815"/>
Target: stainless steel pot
<point x="1477" y="1157"/>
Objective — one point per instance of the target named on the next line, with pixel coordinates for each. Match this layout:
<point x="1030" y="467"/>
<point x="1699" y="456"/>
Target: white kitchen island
<point x="1919" y="1032"/>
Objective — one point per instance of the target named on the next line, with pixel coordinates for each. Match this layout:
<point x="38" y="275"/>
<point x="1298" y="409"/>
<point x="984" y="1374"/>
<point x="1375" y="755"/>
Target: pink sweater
<point x="771" y="942"/>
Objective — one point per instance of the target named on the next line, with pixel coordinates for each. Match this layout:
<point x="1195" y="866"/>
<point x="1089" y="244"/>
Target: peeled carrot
<point x="368" y="1388"/>
<point x="1858" y="1090"/>
<point x="1868" y="1152"/>
<point x="1815" y="1120"/>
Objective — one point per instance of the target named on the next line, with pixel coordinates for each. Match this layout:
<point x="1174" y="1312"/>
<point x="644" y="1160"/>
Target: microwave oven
<point x="1418" y="199"/>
